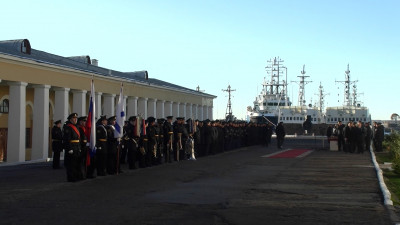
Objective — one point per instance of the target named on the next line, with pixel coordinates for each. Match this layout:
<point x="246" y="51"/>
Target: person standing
<point x="368" y="137"/>
<point x="124" y="146"/>
<point x="160" y="140"/>
<point x="197" y="137"/>
<point x="168" y="139"/>
<point x="71" y="141"/>
<point x="151" y="143"/>
<point x="101" y="146"/>
<point x="360" y="137"/>
<point x="280" y="134"/>
<point x="84" y="148"/>
<point x="112" y="147"/>
<point x="329" y="132"/>
<point x="269" y="133"/>
<point x="132" y="142"/>
<point x="56" y="144"/>
<point x="340" y="135"/>
<point x="347" y="137"/>
<point x="380" y="134"/>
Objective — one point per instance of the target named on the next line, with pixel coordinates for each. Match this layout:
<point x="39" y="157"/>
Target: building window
<point x="4" y="106"/>
<point x="28" y="138"/>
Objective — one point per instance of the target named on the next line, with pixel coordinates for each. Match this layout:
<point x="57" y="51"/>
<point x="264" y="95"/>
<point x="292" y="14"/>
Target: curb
<point x="385" y="191"/>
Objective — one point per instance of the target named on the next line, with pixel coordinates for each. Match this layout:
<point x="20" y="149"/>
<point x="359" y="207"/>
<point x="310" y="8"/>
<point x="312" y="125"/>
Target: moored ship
<point x="273" y="104"/>
<point x="352" y="109"/>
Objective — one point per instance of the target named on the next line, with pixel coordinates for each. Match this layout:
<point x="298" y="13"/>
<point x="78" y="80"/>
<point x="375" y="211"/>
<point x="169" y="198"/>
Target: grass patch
<point x="382" y="157"/>
<point x="392" y="179"/>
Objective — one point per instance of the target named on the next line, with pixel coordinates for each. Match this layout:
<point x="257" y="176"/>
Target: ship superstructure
<point x="303" y="111"/>
<point x="352" y="109"/>
<point x="273" y="96"/>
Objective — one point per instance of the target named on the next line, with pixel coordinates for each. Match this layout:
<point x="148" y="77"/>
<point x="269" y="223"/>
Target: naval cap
<point x="72" y="115"/>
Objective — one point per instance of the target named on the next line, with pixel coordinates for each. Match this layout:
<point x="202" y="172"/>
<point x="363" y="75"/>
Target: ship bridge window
<point x="335" y="119"/>
<point x="264" y="104"/>
<point x="282" y="104"/>
<point x="290" y="118"/>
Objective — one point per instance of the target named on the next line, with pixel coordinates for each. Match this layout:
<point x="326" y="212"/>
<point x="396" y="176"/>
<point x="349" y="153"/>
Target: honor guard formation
<point x="148" y="143"/>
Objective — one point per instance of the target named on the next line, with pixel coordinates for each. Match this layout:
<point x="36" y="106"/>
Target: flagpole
<point x="120" y="123"/>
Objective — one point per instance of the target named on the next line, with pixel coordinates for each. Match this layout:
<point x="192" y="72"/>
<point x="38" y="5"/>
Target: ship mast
<point x="321" y="96"/>
<point x="302" y="83"/>
<point x="275" y="87"/>
<point x="274" y="69"/>
<point x="228" y="114"/>
<point x="350" y="99"/>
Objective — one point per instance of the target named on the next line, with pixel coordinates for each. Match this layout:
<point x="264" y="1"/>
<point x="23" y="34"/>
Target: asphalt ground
<point x="236" y="187"/>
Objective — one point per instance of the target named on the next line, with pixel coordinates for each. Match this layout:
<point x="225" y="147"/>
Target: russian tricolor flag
<point x="91" y="125"/>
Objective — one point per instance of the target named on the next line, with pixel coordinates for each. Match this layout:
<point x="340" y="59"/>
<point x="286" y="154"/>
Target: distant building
<point x="37" y="88"/>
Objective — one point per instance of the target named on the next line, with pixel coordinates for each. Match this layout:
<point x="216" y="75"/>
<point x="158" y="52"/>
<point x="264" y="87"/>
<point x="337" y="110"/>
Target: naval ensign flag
<point x="120" y="115"/>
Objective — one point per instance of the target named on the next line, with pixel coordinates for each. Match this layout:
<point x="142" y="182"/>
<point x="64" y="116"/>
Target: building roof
<point x="21" y="48"/>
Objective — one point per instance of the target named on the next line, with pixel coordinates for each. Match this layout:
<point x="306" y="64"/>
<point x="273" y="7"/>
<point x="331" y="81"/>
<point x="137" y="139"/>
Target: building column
<point x="40" y="137"/>
<point x="182" y="110"/>
<point x="97" y="98"/>
<point x="205" y="112"/>
<point x="210" y="112"/>
<point x="79" y="102"/>
<point x="196" y="112"/>
<point x="142" y="107"/>
<point x="201" y="113"/>
<point x="160" y="109"/>
<point x="61" y="104"/>
<point x="168" y="108"/>
<point x="109" y="105"/>
<point x="189" y="111"/>
<point x="175" y="109"/>
<point x="152" y="107"/>
<point x="132" y="106"/>
<point x="17" y="122"/>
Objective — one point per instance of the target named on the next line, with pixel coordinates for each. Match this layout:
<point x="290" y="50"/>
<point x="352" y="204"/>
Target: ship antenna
<point x="349" y="101"/>
<point x="228" y="114"/>
<point x="321" y="96"/>
<point x="302" y="83"/>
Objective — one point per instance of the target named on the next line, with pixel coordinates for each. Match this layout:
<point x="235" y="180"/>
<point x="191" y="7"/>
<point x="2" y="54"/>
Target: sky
<point x="216" y="43"/>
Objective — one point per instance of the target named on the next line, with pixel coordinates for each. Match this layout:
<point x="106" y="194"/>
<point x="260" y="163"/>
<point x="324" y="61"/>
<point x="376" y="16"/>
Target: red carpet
<point x="290" y="153"/>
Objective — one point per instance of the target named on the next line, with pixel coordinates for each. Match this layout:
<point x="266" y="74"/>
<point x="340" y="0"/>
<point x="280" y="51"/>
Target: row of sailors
<point x="147" y="143"/>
